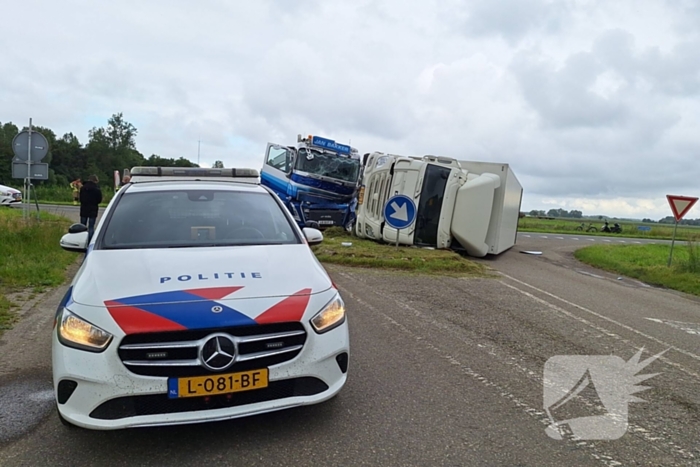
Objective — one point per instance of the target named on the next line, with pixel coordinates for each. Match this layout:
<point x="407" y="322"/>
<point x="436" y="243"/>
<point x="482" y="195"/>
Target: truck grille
<point x="377" y="193"/>
<point x="325" y="217"/>
<point x="177" y="353"/>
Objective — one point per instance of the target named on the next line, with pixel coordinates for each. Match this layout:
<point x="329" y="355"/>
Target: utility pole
<point x="198" y="145"/>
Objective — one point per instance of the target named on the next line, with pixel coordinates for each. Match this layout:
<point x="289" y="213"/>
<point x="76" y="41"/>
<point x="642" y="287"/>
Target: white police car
<point x="9" y="196"/>
<point x="199" y="299"/>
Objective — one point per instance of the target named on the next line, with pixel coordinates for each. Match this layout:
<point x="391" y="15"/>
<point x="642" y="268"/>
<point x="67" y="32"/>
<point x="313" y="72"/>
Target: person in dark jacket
<point x="90" y="199"/>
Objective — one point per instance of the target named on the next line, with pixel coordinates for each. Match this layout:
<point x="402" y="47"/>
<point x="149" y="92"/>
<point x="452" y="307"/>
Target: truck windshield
<point x="328" y="165"/>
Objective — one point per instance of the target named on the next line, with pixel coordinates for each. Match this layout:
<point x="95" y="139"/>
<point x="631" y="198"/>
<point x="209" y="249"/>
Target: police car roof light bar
<point x="194" y="172"/>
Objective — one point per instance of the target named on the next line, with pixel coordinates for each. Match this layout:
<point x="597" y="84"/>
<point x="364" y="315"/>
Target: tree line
<point x="557" y="213"/>
<point x="576" y="214"/>
<point x="108" y="149"/>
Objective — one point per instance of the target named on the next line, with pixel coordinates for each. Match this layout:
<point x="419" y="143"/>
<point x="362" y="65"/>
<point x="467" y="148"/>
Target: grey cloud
<point x="296" y="81"/>
<point x="675" y="74"/>
<point x="514" y="19"/>
<point x="562" y="97"/>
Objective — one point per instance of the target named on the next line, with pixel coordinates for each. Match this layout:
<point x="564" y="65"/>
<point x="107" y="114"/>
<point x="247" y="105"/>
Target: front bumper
<point x="108" y="396"/>
<point x="8" y="200"/>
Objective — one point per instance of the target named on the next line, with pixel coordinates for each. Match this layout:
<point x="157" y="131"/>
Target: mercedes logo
<point x="217" y="309"/>
<point x="218" y="352"/>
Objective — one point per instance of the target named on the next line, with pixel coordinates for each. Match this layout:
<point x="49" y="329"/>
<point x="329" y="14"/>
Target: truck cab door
<point x="279" y="160"/>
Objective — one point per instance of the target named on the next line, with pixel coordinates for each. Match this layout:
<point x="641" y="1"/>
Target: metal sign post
<point x="29" y="170"/>
<point x="673" y="241"/>
<point x="29" y="147"/>
<point x="399" y="213"/>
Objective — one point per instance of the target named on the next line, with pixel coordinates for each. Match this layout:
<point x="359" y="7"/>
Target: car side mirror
<point x="77" y="228"/>
<point x="313" y="236"/>
<point x="75" y="242"/>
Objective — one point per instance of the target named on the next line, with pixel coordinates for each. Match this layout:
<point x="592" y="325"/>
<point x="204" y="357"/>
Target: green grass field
<point x="629" y="229"/>
<point x="52" y="194"/>
<point x="30" y="256"/>
<point x="370" y="254"/>
<point x="649" y="263"/>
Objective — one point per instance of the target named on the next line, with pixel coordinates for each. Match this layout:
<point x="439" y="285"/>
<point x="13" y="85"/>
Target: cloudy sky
<point x="594" y="103"/>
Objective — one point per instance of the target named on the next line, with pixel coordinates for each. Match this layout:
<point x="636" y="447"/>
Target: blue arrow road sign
<point x="399" y="212"/>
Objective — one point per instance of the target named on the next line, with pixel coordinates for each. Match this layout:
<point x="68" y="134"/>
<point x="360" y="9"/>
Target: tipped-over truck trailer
<point x="461" y="205"/>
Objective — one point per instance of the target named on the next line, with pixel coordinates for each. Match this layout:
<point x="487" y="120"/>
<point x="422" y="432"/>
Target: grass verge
<point x="369" y="254"/>
<point x="64" y="195"/>
<point x="629" y="229"/>
<point x="30" y="256"/>
<point x="648" y="263"/>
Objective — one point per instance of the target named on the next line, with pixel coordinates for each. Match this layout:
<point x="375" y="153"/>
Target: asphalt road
<point x="443" y="371"/>
<point x="581" y="240"/>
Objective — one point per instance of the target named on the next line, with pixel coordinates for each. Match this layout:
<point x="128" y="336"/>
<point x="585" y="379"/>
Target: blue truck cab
<point x="318" y="179"/>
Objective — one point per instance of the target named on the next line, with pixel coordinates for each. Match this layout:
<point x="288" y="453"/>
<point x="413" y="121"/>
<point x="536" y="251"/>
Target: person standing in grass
<point x="90" y="199"/>
<point x="76" y="185"/>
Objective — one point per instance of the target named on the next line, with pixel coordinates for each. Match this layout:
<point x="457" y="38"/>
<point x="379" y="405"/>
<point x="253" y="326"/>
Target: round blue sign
<point x="399" y="212"/>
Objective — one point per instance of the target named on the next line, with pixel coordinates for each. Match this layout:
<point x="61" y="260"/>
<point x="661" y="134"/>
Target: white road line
<point x="526" y="236"/>
<point x="543" y="236"/>
<point x="622" y="241"/>
<point x="591" y="274"/>
<point x="575" y="238"/>
<point x="690" y="328"/>
<point x="606" y="240"/>
<point x="601" y="329"/>
<point x="591" y="239"/>
<point x="560" y="238"/>
<point x="636" y="430"/>
<point x="537" y="414"/>
<point x="638" y="242"/>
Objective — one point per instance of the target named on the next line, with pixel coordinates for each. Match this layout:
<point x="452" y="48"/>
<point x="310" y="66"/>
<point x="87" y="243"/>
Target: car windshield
<point x="197" y="218"/>
<point x="328" y="165"/>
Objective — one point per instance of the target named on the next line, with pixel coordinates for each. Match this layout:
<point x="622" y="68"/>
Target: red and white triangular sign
<point x="680" y="205"/>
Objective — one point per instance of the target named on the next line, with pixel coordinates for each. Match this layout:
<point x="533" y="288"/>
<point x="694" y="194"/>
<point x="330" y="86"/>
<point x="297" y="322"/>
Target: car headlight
<point x="77" y="333"/>
<point x="332" y="316"/>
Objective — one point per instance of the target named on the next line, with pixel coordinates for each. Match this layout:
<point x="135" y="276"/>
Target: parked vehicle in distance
<point x="9" y="196"/>
<point x="590" y="228"/>
<point x="614" y="229"/>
